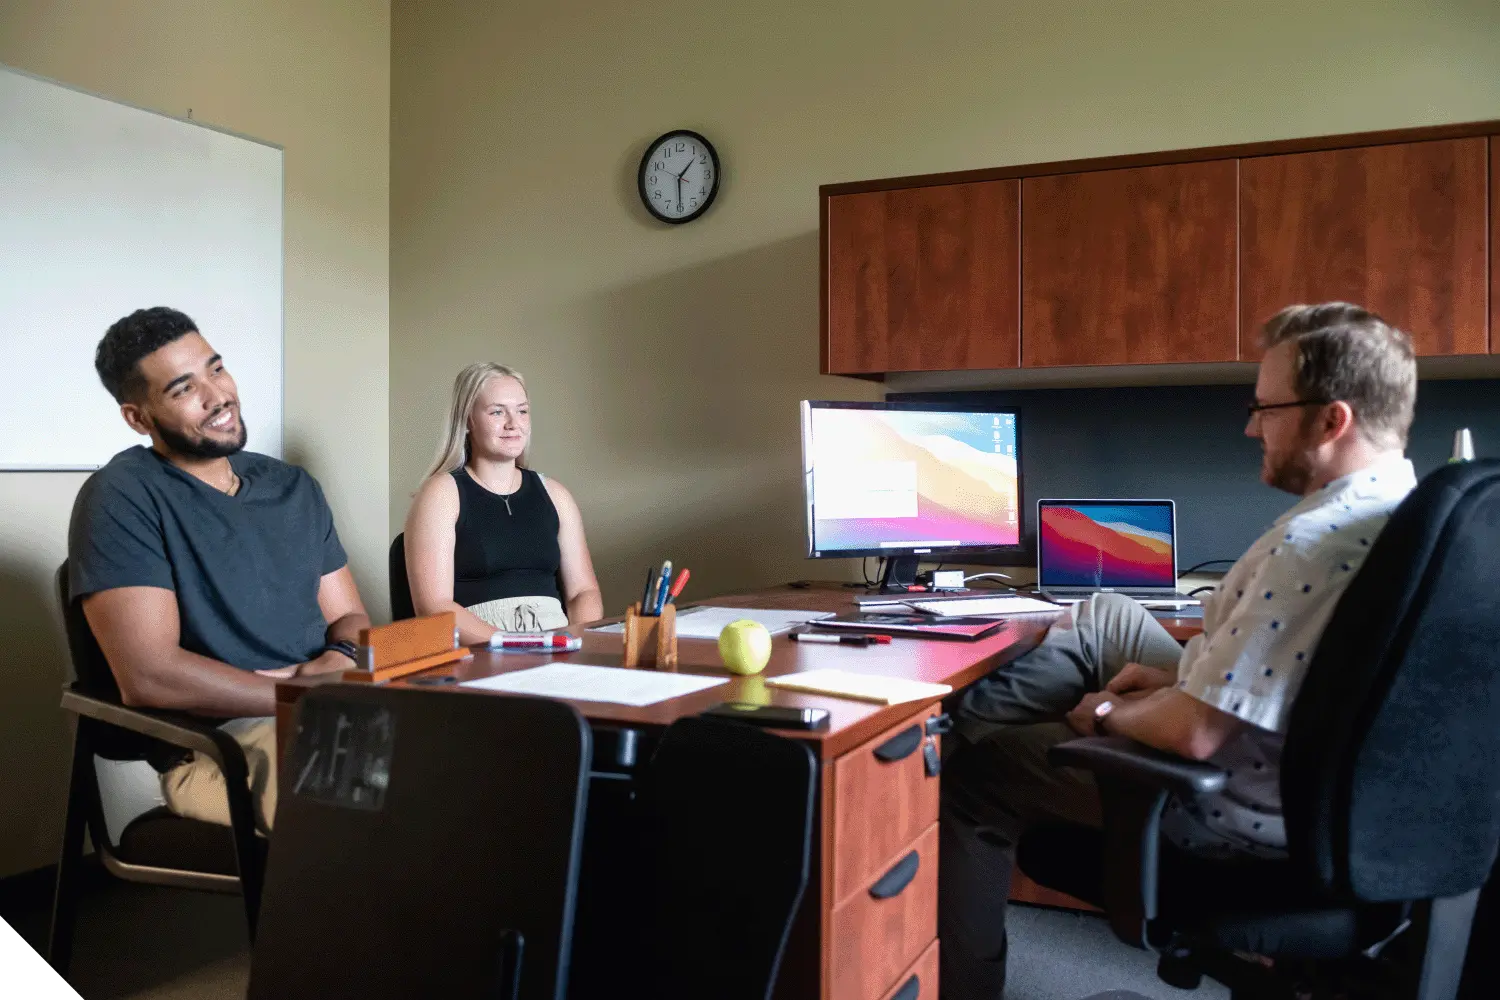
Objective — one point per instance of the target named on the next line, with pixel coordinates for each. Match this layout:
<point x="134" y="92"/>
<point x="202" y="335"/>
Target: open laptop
<point x="1121" y="546"/>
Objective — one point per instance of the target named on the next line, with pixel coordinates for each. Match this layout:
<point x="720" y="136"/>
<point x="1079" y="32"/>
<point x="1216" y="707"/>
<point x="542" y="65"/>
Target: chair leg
<point x="1447" y="921"/>
<point x="242" y="828"/>
<point x="81" y="787"/>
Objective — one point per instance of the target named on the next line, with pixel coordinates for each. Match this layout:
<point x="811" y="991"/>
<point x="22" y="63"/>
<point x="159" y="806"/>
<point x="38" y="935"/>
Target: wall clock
<point x="679" y="176"/>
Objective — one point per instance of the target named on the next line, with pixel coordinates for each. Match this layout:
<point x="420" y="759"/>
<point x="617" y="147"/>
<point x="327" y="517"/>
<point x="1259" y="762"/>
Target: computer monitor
<point x="908" y="480"/>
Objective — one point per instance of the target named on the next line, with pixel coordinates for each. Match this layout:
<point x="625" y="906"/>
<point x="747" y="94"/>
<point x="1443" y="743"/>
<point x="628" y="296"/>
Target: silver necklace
<point x="504" y="497"/>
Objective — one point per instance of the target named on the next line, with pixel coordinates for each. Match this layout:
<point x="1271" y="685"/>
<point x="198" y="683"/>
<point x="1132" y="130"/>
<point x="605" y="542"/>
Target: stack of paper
<point x="860" y="687"/>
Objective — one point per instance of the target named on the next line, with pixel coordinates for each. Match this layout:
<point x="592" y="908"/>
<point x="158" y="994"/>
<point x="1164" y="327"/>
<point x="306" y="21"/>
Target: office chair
<point x="158" y="847"/>
<point x="730" y="813"/>
<point x="427" y="844"/>
<point x="401" y="605"/>
<point x="1390" y="787"/>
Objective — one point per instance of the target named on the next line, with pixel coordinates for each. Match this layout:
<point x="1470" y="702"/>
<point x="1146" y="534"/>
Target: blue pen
<point x="662" y="586"/>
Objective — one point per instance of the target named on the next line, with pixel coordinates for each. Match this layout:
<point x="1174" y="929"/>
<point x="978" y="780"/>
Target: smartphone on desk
<point x="774" y="716"/>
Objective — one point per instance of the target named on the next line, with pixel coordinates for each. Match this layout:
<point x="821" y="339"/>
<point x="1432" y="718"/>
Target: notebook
<point x="915" y="624"/>
<point x="859" y="687"/>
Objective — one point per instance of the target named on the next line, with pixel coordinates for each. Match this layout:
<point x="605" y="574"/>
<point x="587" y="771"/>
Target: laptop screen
<point x="1106" y="543"/>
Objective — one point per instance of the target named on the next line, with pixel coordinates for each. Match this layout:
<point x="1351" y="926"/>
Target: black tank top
<point x="504" y="553"/>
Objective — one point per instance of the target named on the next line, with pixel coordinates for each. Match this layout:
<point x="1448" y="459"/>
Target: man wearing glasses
<point x="1333" y="403"/>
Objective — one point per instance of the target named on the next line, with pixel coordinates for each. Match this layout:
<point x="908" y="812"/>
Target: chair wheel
<point x="1176" y="968"/>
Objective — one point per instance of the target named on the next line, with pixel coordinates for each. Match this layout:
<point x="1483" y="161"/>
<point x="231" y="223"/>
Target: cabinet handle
<point x="910" y="990"/>
<point x="903" y="744"/>
<point x="898" y="878"/>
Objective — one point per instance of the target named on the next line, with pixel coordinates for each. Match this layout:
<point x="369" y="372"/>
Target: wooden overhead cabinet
<point x="922" y="279"/>
<point x="1126" y="267"/>
<point x="1495" y="244"/>
<point x="1400" y="229"/>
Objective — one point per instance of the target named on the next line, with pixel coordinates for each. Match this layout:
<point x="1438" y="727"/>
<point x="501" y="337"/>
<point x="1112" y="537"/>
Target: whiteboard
<point x="105" y="209"/>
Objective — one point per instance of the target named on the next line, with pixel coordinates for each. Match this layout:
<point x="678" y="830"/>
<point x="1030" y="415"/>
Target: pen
<point x="861" y="639"/>
<point x="562" y="642"/>
<point x="682" y="579"/>
<point x="661" y="588"/>
<point x="646" y="593"/>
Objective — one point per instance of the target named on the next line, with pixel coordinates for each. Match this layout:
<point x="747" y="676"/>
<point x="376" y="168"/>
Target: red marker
<point x="541" y="642"/>
<point x="682" y="579"/>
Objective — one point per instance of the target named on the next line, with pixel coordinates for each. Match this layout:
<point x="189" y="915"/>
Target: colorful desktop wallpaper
<point x="1100" y="545"/>
<point x="905" y="478"/>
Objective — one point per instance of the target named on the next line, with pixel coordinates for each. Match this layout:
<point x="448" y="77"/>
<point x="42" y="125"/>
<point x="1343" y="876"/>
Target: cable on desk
<point x="1206" y="562"/>
<point x="986" y="576"/>
<point x="1210" y="588"/>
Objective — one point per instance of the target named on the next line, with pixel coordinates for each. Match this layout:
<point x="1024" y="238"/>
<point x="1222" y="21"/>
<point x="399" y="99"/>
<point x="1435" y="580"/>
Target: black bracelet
<point x="344" y="646"/>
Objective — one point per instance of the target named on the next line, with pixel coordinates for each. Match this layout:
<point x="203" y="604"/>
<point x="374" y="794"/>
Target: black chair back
<point x="427" y="844"/>
<point x="1391" y="770"/>
<point x="401" y="605"/>
<point x="90" y="675"/>
<point x="731" y="809"/>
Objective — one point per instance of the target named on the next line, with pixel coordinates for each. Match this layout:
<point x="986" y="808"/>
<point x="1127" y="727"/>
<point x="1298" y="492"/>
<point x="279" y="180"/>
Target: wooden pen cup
<point x="651" y="640"/>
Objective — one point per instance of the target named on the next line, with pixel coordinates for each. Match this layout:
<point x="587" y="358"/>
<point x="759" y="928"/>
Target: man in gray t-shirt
<point x="206" y="572"/>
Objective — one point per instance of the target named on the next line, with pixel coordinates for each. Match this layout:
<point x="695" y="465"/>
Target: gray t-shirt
<point x="245" y="568"/>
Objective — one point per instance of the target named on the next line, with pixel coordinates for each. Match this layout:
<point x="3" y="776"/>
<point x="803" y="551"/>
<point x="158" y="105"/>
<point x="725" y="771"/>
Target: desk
<point x="846" y="945"/>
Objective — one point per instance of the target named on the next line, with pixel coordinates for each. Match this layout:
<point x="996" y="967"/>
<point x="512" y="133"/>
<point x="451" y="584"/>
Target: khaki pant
<point x="196" y="789"/>
<point x="997" y="781"/>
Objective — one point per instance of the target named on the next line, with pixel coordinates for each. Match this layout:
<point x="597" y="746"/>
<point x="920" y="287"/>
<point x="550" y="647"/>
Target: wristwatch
<point x="343" y="646"/>
<point x="1101" y="712"/>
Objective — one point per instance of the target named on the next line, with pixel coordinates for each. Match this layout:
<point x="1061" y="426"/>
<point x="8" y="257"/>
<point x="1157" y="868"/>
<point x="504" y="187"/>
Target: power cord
<point x="1206" y="562"/>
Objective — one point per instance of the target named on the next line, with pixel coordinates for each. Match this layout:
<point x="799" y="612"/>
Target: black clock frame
<point x="640" y="176"/>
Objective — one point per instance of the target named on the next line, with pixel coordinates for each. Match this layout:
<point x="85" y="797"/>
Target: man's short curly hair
<point x="118" y="357"/>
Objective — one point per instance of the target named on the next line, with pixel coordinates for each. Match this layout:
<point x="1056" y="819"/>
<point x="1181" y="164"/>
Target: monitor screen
<point x="1105" y="543"/>
<point x="894" y="478"/>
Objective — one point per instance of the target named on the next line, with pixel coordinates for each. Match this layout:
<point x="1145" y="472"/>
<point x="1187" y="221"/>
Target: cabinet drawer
<point x="881" y="930"/>
<point x="882" y="799"/>
<point x="920" y="982"/>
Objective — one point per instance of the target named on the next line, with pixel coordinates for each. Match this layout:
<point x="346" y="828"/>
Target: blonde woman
<point x="488" y="538"/>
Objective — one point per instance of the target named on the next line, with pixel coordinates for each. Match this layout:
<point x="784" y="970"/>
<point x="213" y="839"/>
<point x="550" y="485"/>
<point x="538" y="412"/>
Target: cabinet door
<point x="923" y="279"/>
<point x="1495" y="244"/>
<point x="1398" y="229"/>
<point x="1131" y="266"/>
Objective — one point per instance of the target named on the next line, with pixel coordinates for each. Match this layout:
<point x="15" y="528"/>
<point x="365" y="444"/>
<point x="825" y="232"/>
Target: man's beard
<point x="1291" y="472"/>
<point x="201" y="447"/>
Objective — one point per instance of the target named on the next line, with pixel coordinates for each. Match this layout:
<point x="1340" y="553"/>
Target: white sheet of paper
<point x="581" y="682"/>
<point x="706" y="621"/>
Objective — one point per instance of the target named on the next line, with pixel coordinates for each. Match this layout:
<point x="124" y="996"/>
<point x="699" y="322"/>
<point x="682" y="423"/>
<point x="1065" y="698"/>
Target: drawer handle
<point x="909" y="991"/>
<point x="898" y="878"/>
<point x="903" y="744"/>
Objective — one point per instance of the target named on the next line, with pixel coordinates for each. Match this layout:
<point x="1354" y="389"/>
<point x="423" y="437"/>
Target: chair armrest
<point x="1116" y="757"/>
<point x="1135" y="783"/>
<point x="198" y="735"/>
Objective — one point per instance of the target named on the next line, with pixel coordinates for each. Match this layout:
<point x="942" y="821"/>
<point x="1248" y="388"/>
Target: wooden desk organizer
<point x="651" y="640"/>
<point x="406" y="647"/>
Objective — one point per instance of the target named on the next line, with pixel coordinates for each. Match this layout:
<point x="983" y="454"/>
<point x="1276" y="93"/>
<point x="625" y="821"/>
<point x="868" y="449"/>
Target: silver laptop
<point x="1125" y="547"/>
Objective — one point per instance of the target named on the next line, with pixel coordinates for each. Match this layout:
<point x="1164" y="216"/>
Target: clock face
<point x="679" y="176"/>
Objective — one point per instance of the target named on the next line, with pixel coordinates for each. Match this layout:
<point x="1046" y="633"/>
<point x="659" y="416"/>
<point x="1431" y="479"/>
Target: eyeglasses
<point x="1255" y="408"/>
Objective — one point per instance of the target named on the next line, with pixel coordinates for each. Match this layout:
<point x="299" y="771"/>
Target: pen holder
<point x="651" y="640"/>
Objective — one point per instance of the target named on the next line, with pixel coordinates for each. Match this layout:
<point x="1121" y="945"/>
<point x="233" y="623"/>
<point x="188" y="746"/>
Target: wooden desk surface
<point x="951" y="662"/>
<point x="943" y="661"/>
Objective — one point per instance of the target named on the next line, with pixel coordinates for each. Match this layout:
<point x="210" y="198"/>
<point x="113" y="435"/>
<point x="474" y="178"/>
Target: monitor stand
<point x="900" y="574"/>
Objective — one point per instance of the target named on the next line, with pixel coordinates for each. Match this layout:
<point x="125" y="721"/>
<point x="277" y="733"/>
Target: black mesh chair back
<point x="426" y="844"/>
<point x="731" y="816"/>
<point x="1391" y="770"/>
<point x="401" y="604"/>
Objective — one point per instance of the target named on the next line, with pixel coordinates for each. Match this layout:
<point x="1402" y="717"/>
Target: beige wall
<point x="665" y="362"/>
<point x="315" y="78"/>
